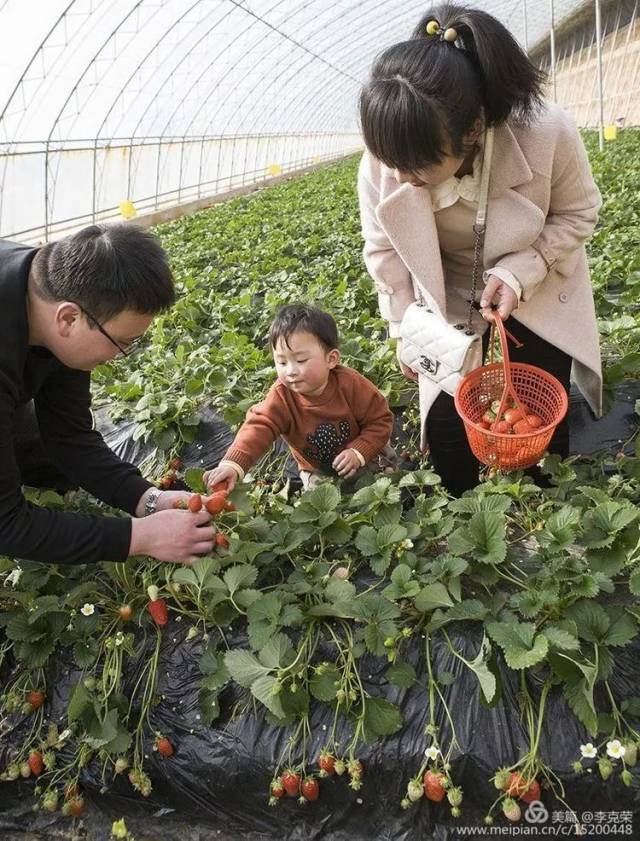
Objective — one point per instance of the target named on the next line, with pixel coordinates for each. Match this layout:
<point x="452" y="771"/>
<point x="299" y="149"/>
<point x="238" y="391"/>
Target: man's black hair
<point x="303" y="318"/>
<point x="106" y="269"/>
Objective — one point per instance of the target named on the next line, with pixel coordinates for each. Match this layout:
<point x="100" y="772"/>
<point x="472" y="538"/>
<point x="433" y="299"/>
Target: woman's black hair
<point x="425" y="95"/>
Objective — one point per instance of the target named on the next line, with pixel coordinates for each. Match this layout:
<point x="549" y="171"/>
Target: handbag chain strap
<point x="480" y="226"/>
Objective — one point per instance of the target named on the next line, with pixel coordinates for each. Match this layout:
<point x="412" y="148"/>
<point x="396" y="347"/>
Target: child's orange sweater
<point x="350" y="413"/>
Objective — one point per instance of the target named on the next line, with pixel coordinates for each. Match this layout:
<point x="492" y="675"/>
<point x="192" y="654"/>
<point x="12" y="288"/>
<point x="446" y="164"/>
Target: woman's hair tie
<point x="449" y="34"/>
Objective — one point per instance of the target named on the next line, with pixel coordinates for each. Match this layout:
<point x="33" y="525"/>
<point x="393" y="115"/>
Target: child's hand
<point x="220" y="474"/>
<point x="346" y="464"/>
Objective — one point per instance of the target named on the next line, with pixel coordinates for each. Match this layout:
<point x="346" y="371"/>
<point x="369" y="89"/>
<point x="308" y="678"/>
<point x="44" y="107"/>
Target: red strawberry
<point x="221" y="540"/>
<point x="164" y="746"/>
<point x="195" y="503"/>
<point x="220" y="487"/>
<point x="291" y="783"/>
<point x="517" y="785"/>
<point x="71" y="790"/>
<point x="310" y="788"/>
<point x="175" y="464"/>
<point x="35" y="762"/>
<point x="35" y="699"/>
<point x="433" y="786"/>
<point x="76" y="806"/>
<point x="276" y="788"/>
<point x="157" y="607"/>
<point x="126" y="612"/>
<point x="532" y="793"/>
<point x="179" y="505"/>
<point x="166" y="482"/>
<point x="327" y="764"/>
<point x="215" y="503"/>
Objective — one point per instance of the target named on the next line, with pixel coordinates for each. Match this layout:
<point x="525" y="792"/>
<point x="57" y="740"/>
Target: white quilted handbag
<point x="433" y="348"/>
<point x="442" y="352"/>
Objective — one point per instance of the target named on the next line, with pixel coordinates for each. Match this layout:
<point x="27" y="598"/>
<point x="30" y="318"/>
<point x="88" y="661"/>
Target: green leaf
<point x="79" y="702"/>
<point x="264" y="689"/>
<point x="622" y="629"/>
<point x="367" y="541"/>
<point x="560" y="638"/>
<point x="323" y="684"/>
<point x="634" y="582"/>
<point x="241" y="575"/>
<point x="193" y="478"/>
<point x="432" y="596"/>
<point x="185" y="575"/>
<point x="85" y="652"/>
<point x="381" y="718"/>
<point x="521" y="646"/>
<point x="481" y="670"/>
<point x="592" y="621"/>
<point x="277" y="653"/>
<point x="402" y="675"/>
<point x="339" y="590"/>
<point x="483" y="538"/>
<point x="243" y="667"/>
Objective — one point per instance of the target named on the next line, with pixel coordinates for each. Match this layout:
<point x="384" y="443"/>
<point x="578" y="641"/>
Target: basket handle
<point x="508" y="390"/>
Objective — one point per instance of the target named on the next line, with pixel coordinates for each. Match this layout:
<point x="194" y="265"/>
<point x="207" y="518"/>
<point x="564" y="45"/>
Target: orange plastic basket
<point x="533" y="390"/>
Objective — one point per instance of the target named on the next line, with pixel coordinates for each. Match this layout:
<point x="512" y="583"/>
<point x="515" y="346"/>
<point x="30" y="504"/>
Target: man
<point x="66" y="308"/>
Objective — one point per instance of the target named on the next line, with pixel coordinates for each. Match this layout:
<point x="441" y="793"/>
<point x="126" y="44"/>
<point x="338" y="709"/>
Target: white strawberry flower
<point x="615" y="749"/>
<point x="13" y="577"/>
<point x="87" y="609"/>
<point x="588" y="751"/>
<point x="432" y="752"/>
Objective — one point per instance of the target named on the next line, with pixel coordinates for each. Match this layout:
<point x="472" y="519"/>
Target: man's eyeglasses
<point x="126" y="350"/>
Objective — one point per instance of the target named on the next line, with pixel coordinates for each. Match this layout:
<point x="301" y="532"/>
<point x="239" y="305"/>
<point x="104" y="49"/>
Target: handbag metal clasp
<point x="430" y="365"/>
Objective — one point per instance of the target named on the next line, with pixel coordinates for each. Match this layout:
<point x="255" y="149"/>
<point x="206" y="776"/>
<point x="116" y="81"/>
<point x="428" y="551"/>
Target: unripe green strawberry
<point x="454" y="796"/>
<point x="577" y="767"/>
<point x="630" y="753"/>
<point x="52" y="736"/>
<point x="605" y="767"/>
<point x="511" y="810"/>
<point x="415" y="790"/>
<point x="488" y="820"/>
<point x="89" y="683"/>
<point x="501" y="779"/>
<point x="25" y="770"/>
<point x="13" y="771"/>
<point x="50" y="801"/>
<point x="339" y="767"/>
<point x="455" y="812"/>
<point x="121" y="765"/>
<point x="626" y="777"/>
<point x="405" y="803"/>
<point x="49" y="760"/>
<point x="153" y="592"/>
<point x="119" y="830"/>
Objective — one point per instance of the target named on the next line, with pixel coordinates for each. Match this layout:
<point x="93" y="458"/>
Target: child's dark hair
<point x="426" y="94"/>
<point x="298" y="318"/>
<point x="106" y="269"/>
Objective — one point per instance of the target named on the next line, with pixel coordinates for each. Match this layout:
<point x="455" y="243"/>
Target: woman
<point x="424" y="115"/>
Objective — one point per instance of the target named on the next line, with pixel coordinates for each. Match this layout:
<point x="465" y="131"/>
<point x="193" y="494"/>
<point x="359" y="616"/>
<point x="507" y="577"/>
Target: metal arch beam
<point x="291" y="69"/>
<point x="93" y="60"/>
<point x="212" y="90"/>
<point x="33" y="59"/>
<point x="296" y="69"/>
<point x="176" y="67"/>
<point x="215" y="87"/>
<point x="140" y="64"/>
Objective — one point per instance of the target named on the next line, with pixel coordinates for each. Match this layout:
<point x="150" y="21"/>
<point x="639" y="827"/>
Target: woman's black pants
<point x="451" y="455"/>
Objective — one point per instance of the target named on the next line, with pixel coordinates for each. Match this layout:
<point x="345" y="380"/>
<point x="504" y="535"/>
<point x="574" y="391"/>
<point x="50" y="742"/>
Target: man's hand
<point x="408" y="372"/>
<point x="346" y="464"/>
<point x="499" y="293"/>
<point x="220" y="474"/>
<point x="167" y="498"/>
<point x="178" y="537"/>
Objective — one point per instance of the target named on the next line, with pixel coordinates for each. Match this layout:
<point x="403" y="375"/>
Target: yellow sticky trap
<point x="610" y="132"/>
<point x="127" y="209"/>
<point x="274" y="169"/>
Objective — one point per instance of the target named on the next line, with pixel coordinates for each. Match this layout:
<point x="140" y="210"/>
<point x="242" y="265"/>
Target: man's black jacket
<point x="62" y="401"/>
